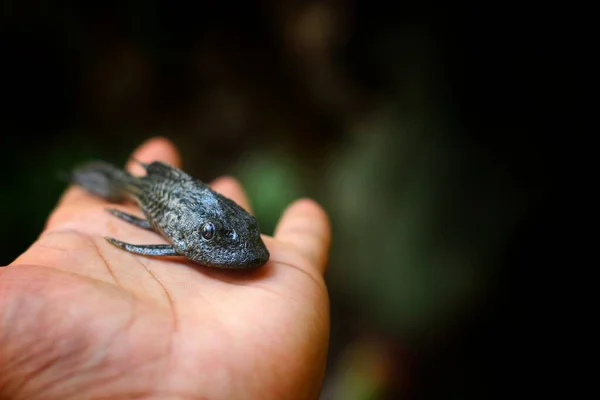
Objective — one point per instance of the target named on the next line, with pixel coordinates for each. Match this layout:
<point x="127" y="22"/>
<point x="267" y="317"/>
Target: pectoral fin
<point x="156" y="250"/>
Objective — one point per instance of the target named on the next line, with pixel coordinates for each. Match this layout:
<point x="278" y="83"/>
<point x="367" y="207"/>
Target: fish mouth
<point x="258" y="258"/>
<point x="248" y="259"/>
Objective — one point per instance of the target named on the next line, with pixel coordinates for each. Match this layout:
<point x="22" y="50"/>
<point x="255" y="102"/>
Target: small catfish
<point x="199" y="223"/>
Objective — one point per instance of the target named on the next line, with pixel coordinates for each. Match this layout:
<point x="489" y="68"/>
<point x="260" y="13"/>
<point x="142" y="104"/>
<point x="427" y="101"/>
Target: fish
<point x="198" y="223"/>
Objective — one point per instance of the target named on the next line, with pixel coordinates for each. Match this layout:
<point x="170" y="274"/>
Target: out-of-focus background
<point x="410" y="126"/>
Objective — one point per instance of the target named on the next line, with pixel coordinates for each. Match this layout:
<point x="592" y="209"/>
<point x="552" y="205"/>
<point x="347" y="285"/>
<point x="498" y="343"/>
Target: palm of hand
<point x="80" y="318"/>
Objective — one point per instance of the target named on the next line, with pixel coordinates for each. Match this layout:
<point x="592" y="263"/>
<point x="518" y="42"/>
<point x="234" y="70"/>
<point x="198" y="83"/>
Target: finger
<point x="305" y="225"/>
<point x="155" y="149"/>
<point x="231" y="188"/>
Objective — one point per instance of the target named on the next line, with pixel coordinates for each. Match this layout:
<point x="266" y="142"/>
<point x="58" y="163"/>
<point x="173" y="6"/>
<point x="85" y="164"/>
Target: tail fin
<point x="105" y="180"/>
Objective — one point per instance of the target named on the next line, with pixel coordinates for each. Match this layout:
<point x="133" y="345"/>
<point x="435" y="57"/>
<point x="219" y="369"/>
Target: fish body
<point x="199" y="223"/>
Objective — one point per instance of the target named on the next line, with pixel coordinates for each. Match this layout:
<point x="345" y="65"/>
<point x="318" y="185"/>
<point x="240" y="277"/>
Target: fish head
<point x="225" y="235"/>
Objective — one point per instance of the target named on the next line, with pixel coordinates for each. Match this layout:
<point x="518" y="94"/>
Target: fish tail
<point x="105" y="180"/>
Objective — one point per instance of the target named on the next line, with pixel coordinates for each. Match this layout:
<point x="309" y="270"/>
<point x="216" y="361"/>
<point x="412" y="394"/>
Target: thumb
<point x="305" y="225"/>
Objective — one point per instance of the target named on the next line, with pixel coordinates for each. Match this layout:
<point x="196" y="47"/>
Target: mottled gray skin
<point x="180" y="208"/>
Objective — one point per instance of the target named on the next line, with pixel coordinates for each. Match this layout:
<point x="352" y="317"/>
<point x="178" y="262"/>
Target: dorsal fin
<point x="159" y="168"/>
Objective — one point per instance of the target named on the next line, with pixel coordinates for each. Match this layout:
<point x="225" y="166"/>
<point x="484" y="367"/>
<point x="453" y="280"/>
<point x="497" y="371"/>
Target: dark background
<point x="415" y="128"/>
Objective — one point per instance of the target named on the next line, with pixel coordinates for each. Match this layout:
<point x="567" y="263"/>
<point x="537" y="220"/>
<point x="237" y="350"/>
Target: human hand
<point x="82" y="319"/>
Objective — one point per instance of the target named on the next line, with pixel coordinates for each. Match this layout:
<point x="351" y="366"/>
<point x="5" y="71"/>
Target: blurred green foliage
<point x="272" y="181"/>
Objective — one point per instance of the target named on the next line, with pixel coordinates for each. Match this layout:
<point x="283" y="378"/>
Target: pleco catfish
<point x="199" y="223"/>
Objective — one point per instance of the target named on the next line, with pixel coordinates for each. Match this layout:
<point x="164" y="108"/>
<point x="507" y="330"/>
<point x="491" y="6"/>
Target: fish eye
<point x="208" y="230"/>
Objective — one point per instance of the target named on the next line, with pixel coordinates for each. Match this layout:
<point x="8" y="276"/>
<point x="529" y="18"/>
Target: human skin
<point x="82" y="319"/>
